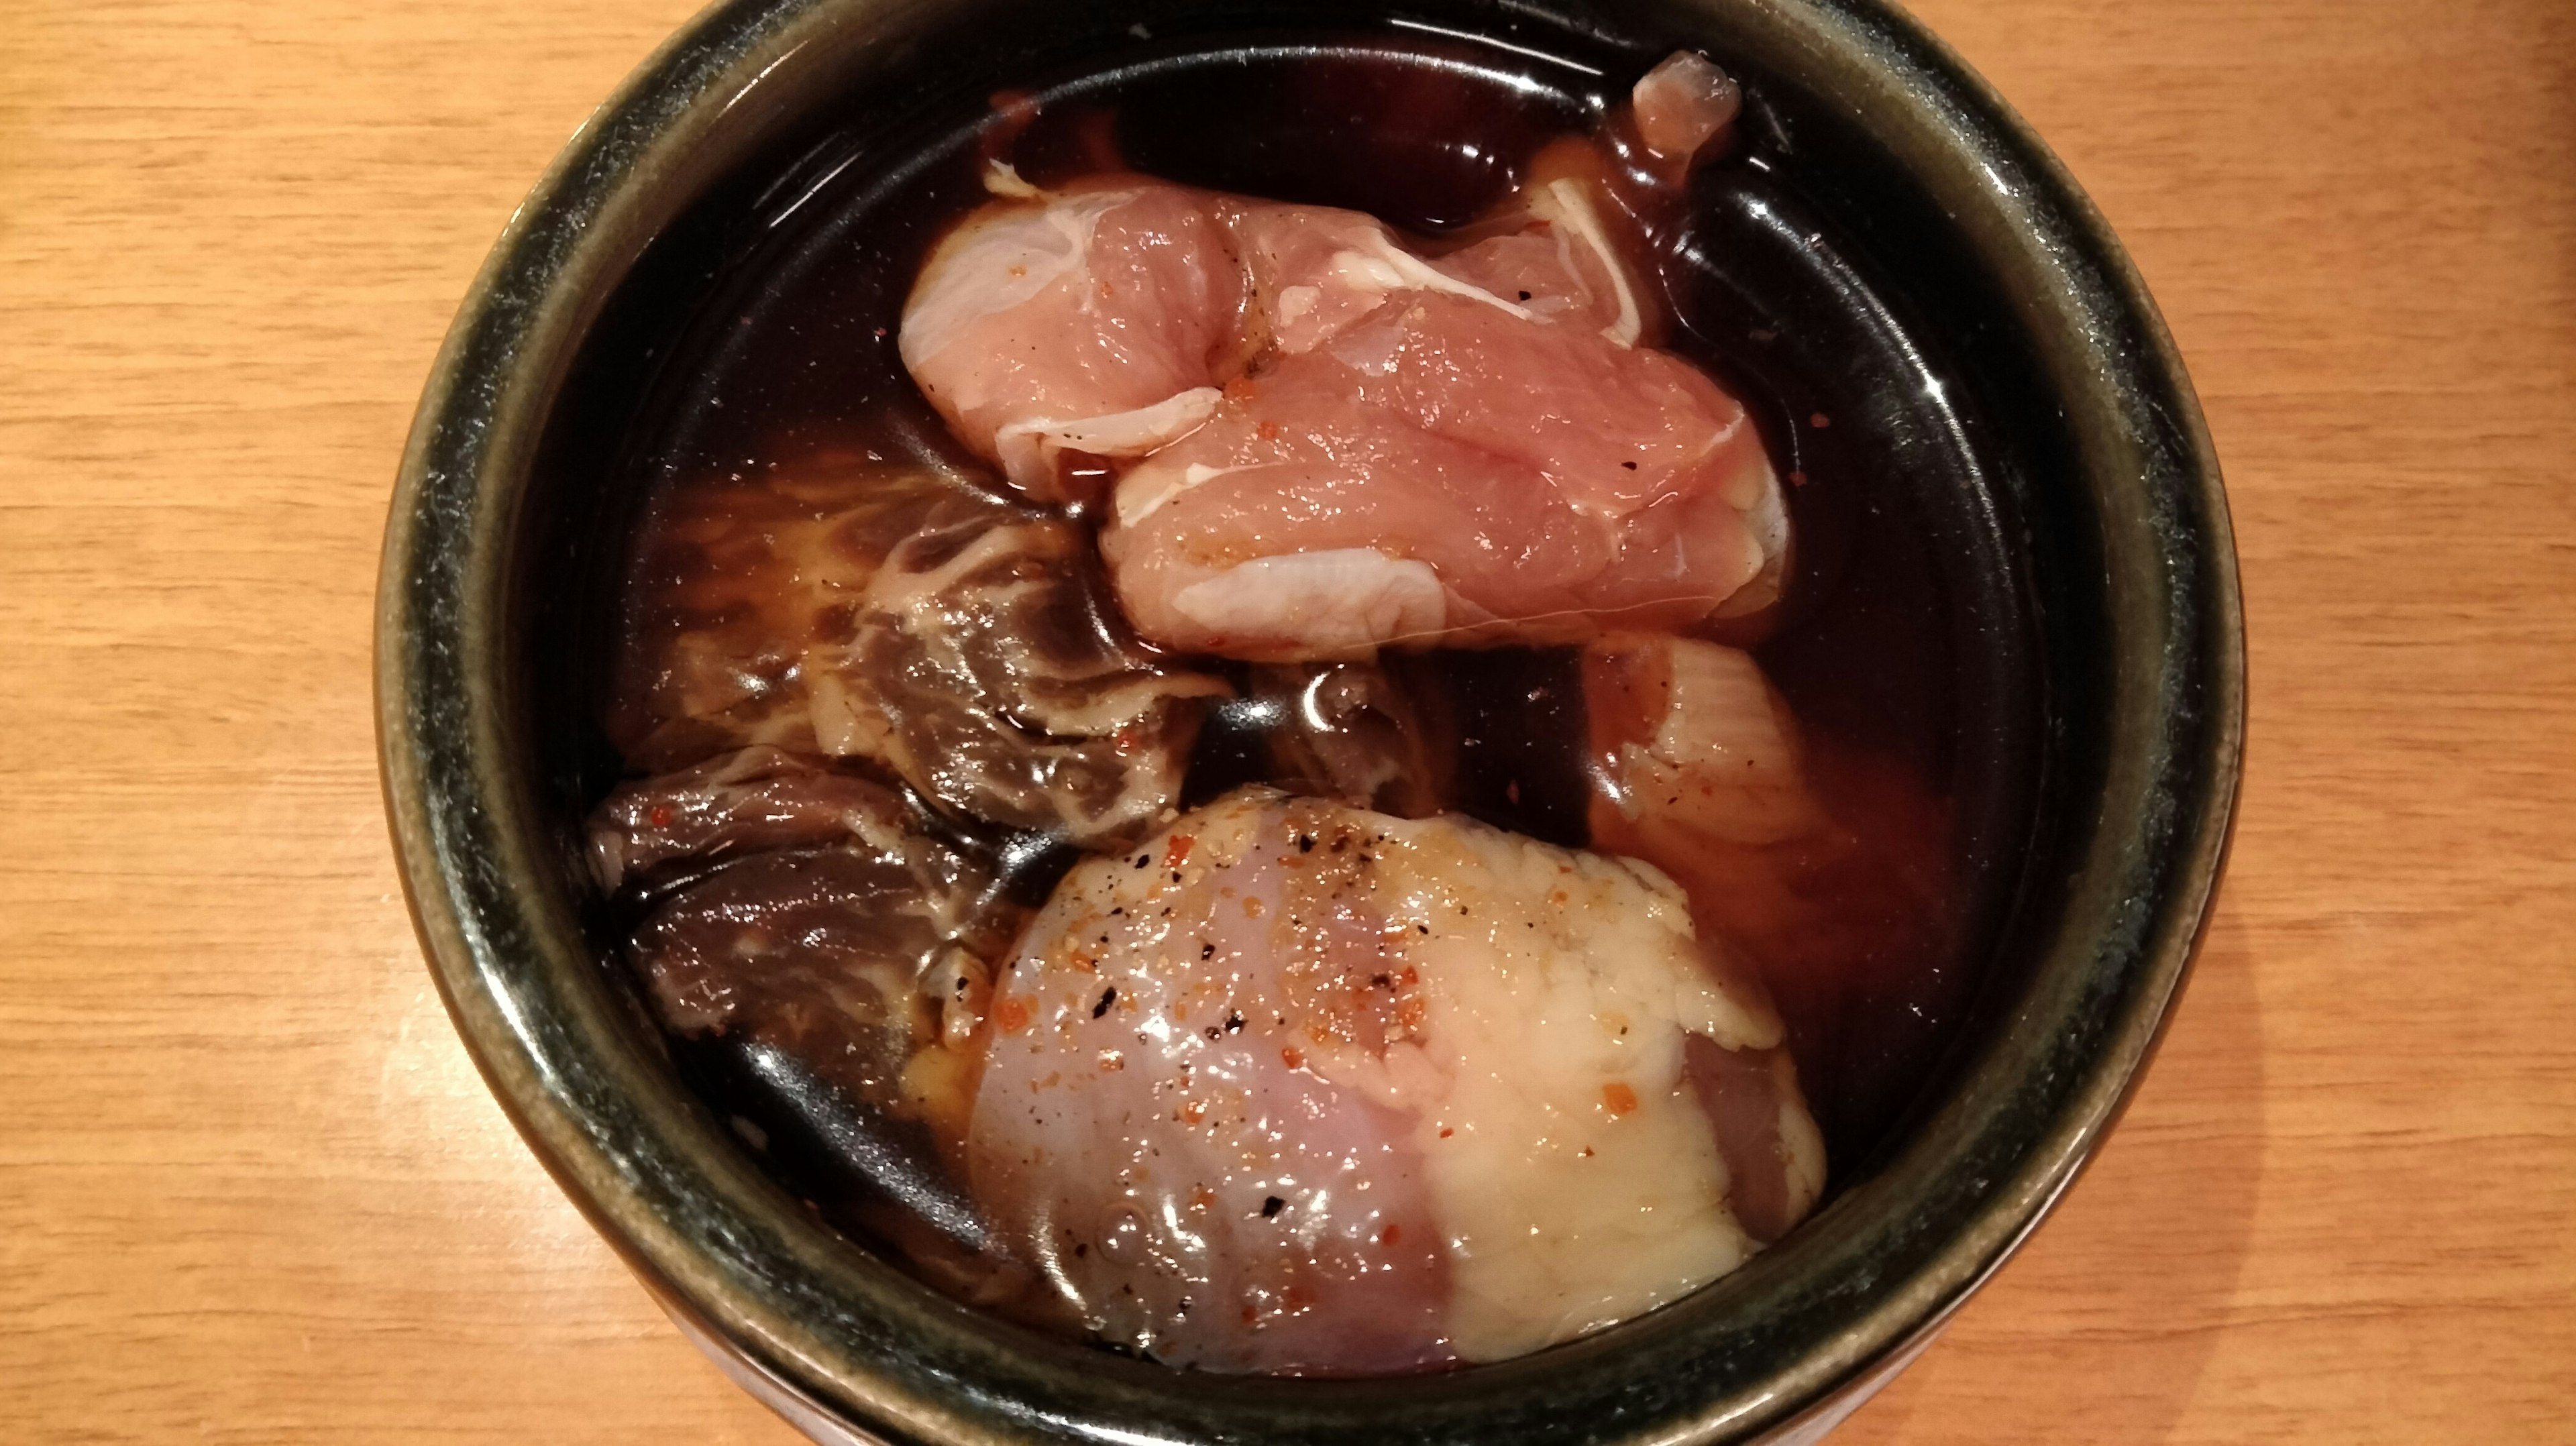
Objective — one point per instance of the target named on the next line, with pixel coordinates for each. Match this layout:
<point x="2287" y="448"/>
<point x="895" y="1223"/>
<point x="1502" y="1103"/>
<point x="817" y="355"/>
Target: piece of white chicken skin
<point x="1296" y="1087"/>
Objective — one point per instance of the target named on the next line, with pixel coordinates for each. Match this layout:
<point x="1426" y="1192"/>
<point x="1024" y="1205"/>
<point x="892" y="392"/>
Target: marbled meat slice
<point x="898" y="615"/>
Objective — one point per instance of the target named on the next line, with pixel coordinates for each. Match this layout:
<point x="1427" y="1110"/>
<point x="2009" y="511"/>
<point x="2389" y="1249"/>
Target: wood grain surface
<point x="251" y="1191"/>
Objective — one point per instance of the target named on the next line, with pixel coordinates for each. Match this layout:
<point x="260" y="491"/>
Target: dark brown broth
<point x="1901" y="641"/>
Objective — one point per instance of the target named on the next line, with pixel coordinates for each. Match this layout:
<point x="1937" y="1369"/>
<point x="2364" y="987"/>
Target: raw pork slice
<point x="1089" y="322"/>
<point x="1327" y="438"/>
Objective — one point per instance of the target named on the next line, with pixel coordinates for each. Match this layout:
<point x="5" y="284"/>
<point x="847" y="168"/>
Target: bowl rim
<point x="725" y="1251"/>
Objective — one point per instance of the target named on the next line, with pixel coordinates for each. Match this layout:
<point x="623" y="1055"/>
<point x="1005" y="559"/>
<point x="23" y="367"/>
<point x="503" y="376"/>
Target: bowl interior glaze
<point x="2104" y="490"/>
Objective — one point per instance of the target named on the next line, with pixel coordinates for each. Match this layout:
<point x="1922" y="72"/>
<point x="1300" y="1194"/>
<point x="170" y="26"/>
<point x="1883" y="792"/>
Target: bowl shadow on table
<point x="2101" y="1329"/>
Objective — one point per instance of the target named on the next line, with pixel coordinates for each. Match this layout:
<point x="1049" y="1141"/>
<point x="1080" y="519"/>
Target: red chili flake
<point x="1819" y="420"/>
<point x="1797" y="479"/>
<point x="660" y="816"/>
<point x="1179" y="852"/>
<point x="1293" y="1057"/>
<point x="1388" y="1235"/>
<point x="1012" y="1016"/>
<point x="1618" y="1098"/>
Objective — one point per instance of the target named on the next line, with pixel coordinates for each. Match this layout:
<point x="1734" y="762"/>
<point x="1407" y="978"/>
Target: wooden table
<point x="251" y="1191"/>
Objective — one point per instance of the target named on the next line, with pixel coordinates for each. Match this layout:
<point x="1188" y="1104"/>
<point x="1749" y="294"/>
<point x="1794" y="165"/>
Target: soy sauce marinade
<point x="788" y="405"/>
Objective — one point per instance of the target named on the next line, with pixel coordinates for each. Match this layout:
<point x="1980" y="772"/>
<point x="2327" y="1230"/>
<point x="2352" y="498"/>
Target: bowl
<point x="2095" y="477"/>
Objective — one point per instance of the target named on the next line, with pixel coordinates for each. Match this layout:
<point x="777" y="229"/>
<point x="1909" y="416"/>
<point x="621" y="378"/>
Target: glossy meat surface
<point x="1094" y="321"/>
<point x="900" y="616"/>
<point x="1699" y="768"/>
<point x="1681" y="105"/>
<point x="798" y="908"/>
<point x="1375" y="443"/>
<point x="1299" y="1087"/>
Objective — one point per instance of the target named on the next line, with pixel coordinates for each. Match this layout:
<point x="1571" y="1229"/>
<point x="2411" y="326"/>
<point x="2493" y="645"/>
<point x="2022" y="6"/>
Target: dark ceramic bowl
<point x="2092" y="473"/>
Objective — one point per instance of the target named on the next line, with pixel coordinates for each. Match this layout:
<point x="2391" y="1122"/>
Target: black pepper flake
<point x="1425" y="928"/>
<point x="1525" y="296"/>
<point x="1143" y="859"/>
<point x="1631" y="466"/>
<point x="1305" y="843"/>
<point x="1212" y="1031"/>
<point x="1272" y="1206"/>
<point x="1108" y="996"/>
<point x="1207" y="951"/>
<point x="1382" y="981"/>
<point x="1234" y="1024"/>
<point x="1080" y="1251"/>
<point x="1176" y="876"/>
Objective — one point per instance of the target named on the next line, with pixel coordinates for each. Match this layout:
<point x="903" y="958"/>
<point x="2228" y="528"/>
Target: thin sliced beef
<point x="964" y="642"/>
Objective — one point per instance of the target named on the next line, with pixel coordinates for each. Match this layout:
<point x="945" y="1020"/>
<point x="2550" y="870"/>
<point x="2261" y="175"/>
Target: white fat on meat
<point x="1682" y="104"/>
<point x="1085" y="320"/>
<point x="1343" y="602"/>
<point x="1689" y="730"/>
<point x="1297" y="1087"/>
<point x="1034" y="446"/>
<point x="1000" y="261"/>
<point x="1562" y="203"/>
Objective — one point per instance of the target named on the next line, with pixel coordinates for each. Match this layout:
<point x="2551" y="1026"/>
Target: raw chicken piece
<point x="897" y="615"/>
<point x="1689" y="737"/>
<point x="1449" y="462"/>
<point x="1321" y="514"/>
<point x="1092" y="322"/>
<point x="1331" y="438"/>
<point x="1698" y="768"/>
<point x="1298" y="1087"/>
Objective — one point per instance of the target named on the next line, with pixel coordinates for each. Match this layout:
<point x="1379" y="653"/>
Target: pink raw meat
<point x="1329" y="438"/>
